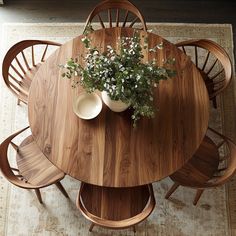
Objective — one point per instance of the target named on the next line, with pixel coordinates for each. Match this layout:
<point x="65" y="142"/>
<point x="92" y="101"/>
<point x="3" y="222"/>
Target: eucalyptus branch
<point x="123" y="74"/>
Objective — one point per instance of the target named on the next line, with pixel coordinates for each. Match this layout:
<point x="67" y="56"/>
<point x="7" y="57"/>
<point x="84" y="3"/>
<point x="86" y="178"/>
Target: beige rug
<point x="22" y="215"/>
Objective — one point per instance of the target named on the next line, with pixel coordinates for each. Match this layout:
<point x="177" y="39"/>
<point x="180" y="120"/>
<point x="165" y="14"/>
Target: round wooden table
<point x="107" y="150"/>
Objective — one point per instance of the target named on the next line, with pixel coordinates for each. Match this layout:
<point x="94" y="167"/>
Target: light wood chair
<point x="34" y="170"/>
<point x="123" y="12"/>
<point x="20" y="64"/>
<point x="213" y="165"/>
<point x="213" y="63"/>
<point x="115" y="208"/>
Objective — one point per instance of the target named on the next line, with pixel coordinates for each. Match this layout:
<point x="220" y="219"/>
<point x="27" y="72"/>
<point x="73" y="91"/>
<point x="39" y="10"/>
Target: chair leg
<point x="18" y="101"/>
<point x="172" y="189"/>
<point x="91" y="227"/>
<point x="198" y="195"/>
<point x="38" y="194"/>
<point x="61" y="188"/>
<point x="134" y="229"/>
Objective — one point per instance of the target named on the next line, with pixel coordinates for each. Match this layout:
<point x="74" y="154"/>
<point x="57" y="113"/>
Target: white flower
<point x="160" y="45"/>
<point x="152" y="50"/>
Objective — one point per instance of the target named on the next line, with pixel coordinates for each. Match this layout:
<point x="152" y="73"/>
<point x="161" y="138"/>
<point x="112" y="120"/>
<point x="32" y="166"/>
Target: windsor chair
<point x="212" y="61"/>
<point x="34" y="170"/>
<point x="209" y="167"/>
<point x="115" y="208"/>
<point x="118" y="13"/>
<point x="20" y="64"/>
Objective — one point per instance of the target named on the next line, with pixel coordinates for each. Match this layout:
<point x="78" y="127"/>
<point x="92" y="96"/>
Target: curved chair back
<point x="122" y="8"/>
<point x="227" y="167"/>
<point x="115" y="208"/>
<point x="212" y="61"/>
<point x="9" y="172"/>
<point x="213" y="164"/>
<point x="21" y="63"/>
<point x="5" y="167"/>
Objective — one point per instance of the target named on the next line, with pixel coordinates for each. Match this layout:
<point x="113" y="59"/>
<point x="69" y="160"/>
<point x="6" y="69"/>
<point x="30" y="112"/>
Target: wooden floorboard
<point x="181" y="11"/>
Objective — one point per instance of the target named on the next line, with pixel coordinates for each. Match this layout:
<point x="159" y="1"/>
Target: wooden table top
<point x="107" y="150"/>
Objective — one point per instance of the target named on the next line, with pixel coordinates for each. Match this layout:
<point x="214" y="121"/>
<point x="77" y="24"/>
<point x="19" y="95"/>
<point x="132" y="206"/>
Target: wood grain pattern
<point x="34" y="170"/>
<point x="216" y="74"/>
<point x="107" y="150"/>
<point x="115" y="208"/>
<point x="34" y="166"/>
<point x="207" y="169"/>
<point x="125" y="14"/>
<point x="19" y="68"/>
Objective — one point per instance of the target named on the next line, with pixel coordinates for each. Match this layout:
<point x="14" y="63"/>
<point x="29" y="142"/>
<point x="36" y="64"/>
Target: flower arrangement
<point x="122" y="74"/>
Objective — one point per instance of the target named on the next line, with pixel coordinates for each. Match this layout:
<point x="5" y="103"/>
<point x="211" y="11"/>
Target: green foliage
<point x="123" y="75"/>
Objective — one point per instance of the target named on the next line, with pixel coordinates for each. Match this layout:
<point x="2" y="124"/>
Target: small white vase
<point x="116" y="106"/>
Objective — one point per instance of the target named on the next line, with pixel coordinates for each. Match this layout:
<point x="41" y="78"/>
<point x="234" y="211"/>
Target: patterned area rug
<point x="22" y="215"/>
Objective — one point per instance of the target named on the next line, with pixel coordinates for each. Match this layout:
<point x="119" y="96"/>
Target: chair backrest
<point x="21" y="60"/>
<point x="212" y="61"/>
<point x="122" y="8"/>
<point x="116" y="208"/>
<point x="5" y="167"/>
<point x="227" y="166"/>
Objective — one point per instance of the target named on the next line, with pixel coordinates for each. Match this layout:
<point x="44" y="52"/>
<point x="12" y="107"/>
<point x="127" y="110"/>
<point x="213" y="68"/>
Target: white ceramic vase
<point x="116" y="106"/>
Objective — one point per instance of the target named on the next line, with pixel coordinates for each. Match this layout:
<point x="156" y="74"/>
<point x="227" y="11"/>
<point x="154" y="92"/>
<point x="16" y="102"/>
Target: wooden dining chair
<point x="34" y="170"/>
<point x="115" y="208"/>
<point x="212" y="61"/>
<point x="213" y="165"/>
<point x="20" y="64"/>
<point x="118" y="13"/>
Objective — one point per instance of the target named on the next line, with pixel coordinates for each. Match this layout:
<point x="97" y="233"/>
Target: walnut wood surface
<point x="107" y="150"/>
<point x="201" y="167"/>
<point x="34" y="166"/>
<point x="115" y="208"/>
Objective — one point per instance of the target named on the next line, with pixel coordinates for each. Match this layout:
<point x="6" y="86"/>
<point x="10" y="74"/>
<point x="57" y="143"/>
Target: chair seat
<point x="115" y="208"/>
<point x="114" y="203"/>
<point x="201" y="167"/>
<point x="34" y="166"/>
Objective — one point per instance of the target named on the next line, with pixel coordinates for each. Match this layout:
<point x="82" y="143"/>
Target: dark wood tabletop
<point x="107" y="150"/>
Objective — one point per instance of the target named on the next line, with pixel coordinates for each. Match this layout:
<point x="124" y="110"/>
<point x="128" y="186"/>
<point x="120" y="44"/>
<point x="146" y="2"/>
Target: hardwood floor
<point x="184" y="11"/>
<point x="201" y="11"/>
